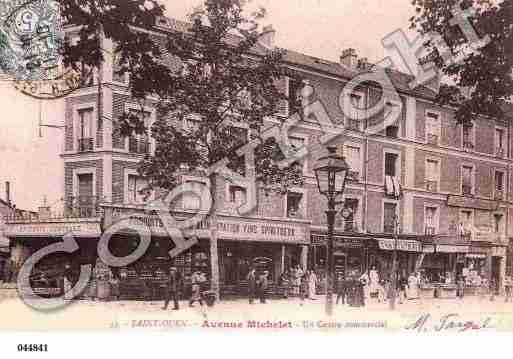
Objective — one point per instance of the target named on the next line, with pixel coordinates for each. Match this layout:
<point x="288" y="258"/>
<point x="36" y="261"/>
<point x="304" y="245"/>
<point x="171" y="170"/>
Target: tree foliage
<point x="482" y="81"/>
<point x="224" y="80"/>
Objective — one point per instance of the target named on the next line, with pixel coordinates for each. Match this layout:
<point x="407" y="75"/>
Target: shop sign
<point x="499" y="251"/>
<point x="482" y="236"/>
<point x="429" y="248"/>
<point x="447" y="248"/>
<point x="402" y="245"/>
<point x="476" y="255"/>
<point x="338" y="241"/>
<point x="265" y="231"/>
<point x="79" y="229"/>
<point x="469" y="202"/>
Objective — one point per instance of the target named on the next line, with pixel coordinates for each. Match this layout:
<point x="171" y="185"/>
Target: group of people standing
<point x="175" y="284"/>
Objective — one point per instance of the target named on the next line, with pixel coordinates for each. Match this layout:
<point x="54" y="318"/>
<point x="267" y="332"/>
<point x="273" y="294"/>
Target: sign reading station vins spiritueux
<point x="265" y="231"/>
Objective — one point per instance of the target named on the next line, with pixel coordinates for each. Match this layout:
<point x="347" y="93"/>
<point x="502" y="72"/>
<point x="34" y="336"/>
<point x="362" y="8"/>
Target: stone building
<point x="436" y="190"/>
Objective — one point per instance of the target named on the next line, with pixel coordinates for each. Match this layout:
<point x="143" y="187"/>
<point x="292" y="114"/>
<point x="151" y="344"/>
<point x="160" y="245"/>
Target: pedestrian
<point x="298" y="274"/>
<point x="341" y="290"/>
<point x="172" y="288"/>
<point x="303" y="290"/>
<point x="374" y="281"/>
<point x="252" y="282"/>
<point x="114" y="288"/>
<point x="364" y="280"/>
<point x="507" y="288"/>
<point x="493" y="288"/>
<point x="312" y="283"/>
<point x="285" y="283"/>
<point x="461" y="287"/>
<point x="381" y="292"/>
<point x="197" y="280"/>
<point x="263" y="284"/>
<point x="402" y="283"/>
<point x="68" y="286"/>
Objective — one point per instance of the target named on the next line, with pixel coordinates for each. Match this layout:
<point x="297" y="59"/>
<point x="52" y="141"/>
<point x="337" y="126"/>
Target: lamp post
<point x="331" y="173"/>
<point x="393" y="292"/>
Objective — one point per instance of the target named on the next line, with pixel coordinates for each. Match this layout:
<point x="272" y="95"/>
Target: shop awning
<point x="476" y="255"/>
<point x="407" y="245"/>
<point x="450" y="248"/>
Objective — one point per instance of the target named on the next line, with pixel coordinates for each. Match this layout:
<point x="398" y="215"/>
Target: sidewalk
<point x="311" y="315"/>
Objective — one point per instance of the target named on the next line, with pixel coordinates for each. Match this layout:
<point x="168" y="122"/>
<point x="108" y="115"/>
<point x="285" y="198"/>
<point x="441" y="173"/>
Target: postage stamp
<point x="221" y="175"/>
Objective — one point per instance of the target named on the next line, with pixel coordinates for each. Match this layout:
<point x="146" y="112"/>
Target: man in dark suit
<point x="341" y="289"/>
<point x="173" y="287"/>
<point x="251" y="285"/>
<point x="263" y="283"/>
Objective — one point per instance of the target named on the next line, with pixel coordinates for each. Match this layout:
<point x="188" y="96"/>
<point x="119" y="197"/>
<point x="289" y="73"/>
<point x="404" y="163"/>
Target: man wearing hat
<point x="173" y="286"/>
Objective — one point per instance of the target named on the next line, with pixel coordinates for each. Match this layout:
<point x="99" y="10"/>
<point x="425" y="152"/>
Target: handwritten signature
<point x="447" y="322"/>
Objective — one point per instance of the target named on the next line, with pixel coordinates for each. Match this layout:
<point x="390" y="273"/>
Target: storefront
<point x="408" y="248"/>
<point x="28" y="237"/>
<point x="277" y="245"/>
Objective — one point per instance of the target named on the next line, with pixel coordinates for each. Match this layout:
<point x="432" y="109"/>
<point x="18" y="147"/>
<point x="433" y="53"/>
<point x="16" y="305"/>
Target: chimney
<point x="267" y="37"/>
<point x="8" y="192"/>
<point x="349" y="58"/>
<point x="363" y="64"/>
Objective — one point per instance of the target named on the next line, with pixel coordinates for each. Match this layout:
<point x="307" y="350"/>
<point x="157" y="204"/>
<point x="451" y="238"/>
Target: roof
<point x="399" y="79"/>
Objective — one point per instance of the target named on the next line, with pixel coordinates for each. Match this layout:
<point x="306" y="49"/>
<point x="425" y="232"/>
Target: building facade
<point x="438" y="191"/>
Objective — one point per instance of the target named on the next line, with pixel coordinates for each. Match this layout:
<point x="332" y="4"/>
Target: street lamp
<point x="331" y="173"/>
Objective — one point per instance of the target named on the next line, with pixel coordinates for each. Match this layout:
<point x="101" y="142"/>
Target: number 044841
<point x="32" y="347"/>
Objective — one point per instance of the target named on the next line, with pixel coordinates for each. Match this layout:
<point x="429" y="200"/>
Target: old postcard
<point x="292" y="165"/>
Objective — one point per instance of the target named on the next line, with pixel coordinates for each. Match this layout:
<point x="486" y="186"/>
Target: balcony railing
<point x="499" y="152"/>
<point x="432" y="139"/>
<point x="468" y="145"/>
<point x="499" y="194"/>
<point x="82" y="207"/>
<point x="432" y="186"/>
<point x="85" y="145"/>
<point x="353" y="176"/>
<point x="430" y="230"/>
<point x="466" y="190"/>
<point x="138" y="146"/>
<point x="352" y="124"/>
<point x="351" y="226"/>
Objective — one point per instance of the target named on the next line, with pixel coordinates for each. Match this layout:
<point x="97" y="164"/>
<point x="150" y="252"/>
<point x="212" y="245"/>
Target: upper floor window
<point x="499" y="142"/>
<point x="467" y="180"/>
<point x="85" y="130"/>
<point x="351" y="221"/>
<point x="468" y="136"/>
<point x="294" y="94"/>
<point x="392" y="184"/>
<point x="499" y="185"/>
<point x="432" y="175"/>
<point x="353" y="158"/>
<point x="432" y="127"/>
<point x="237" y="195"/>
<point x="466" y="222"/>
<point x="392" y="131"/>
<point x="389" y="217"/>
<point x="191" y="199"/>
<point x="140" y="142"/>
<point x="138" y="191"/>
<point x="497" y="222"/>
<point x="353" y="117"/>
<point x="431" y="219"/>
<point x="294" y="204"/>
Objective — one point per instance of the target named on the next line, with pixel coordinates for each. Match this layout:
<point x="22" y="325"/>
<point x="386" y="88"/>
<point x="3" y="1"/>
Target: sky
<point x="318" y="28"/>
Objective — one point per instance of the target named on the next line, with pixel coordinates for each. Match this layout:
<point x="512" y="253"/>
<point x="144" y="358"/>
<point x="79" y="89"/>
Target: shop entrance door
<point x="339" y="260"/>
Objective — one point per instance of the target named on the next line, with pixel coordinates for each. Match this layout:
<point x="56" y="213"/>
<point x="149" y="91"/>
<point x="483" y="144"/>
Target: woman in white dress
<point x="374" y="281"/>
<point x="364" y="279"/>
<point x="312" y="282"/>
<point x="413" y="287"/>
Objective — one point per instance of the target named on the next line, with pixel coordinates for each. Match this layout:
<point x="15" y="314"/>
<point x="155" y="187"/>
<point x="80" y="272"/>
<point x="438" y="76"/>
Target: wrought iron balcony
<point x="432" y="186"/>
<point x="466" y="190"/>
<point x="499" y="152"/>
<point x="82" y="207"/>
<point x="85" y="145"/>
<point x="468" y="145"/>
